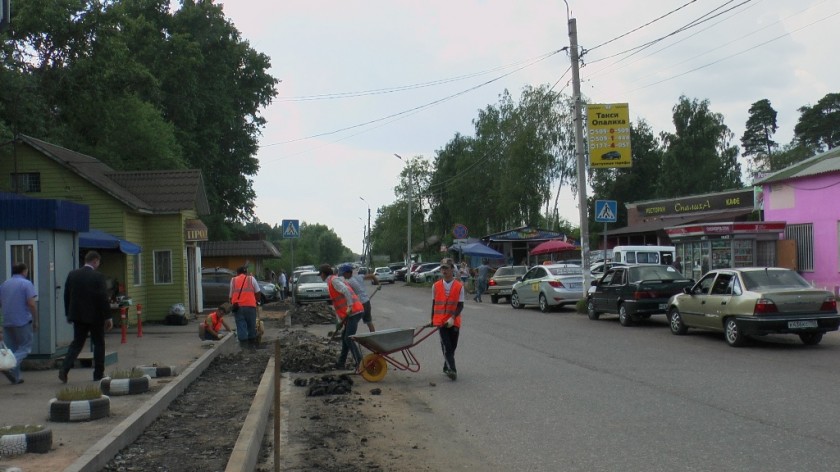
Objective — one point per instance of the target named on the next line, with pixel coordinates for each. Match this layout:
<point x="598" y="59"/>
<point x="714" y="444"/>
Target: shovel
<point x="337" y="334"/>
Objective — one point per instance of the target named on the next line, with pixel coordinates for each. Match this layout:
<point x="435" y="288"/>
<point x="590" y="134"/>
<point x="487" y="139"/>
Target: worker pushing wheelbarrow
<point x="446" y="318"/>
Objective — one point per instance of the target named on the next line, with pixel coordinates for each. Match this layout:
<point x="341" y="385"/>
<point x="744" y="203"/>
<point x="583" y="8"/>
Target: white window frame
<point x="32" y="265"/>
<point x="156" y="268"/>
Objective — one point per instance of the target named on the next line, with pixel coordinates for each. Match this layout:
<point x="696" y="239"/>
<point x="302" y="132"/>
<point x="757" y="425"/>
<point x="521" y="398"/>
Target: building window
<point x="28" y="182"/>
<point x="22" y="251"/>
<point x="163" y="267"/>
<point x="137" y="273"/>
<point x="803" y="234"/>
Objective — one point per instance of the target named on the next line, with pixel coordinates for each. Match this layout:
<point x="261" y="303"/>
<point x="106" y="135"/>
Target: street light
<point x="367" y="241"/>
<point x="408" y="244"/>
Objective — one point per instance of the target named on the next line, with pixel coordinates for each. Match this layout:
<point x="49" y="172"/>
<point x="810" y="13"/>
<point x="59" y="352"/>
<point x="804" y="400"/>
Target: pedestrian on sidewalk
<point x="447" y="303"/>
<point x="20" y="317"/>
<point x="86" y="306"/>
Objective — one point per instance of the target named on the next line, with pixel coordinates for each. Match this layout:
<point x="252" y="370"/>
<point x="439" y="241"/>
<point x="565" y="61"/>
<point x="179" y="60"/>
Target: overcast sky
<point x="310" y="170"/>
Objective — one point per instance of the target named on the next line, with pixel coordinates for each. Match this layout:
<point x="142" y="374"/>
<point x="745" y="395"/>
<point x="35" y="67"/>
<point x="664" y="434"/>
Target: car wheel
<point x="590" y="310"/>
<point x="733" y="335"/>
<point x="676" y="322"/>
<point x="811" y="339"/>
<point x="263" y="299"/>
<point x="494" y="299"/>
<point x="623" y="317"/>
<point x="514" y="301"/>
<point x="544" y="306"/>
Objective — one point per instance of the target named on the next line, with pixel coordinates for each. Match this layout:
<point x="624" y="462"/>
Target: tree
<point x="818" y="127"/>
<point x="757" y="139"/>
<point x="699" y="157"/>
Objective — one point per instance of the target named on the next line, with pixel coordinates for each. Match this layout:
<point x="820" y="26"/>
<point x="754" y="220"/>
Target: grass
<point x="133" y="373"/>
<point x="69" y="394"/>
<point x="580" y="306"/>
<point x="21" y="429"/>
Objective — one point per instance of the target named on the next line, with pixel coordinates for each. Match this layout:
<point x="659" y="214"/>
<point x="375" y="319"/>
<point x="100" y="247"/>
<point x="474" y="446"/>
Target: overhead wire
<point x="642" y="26"/>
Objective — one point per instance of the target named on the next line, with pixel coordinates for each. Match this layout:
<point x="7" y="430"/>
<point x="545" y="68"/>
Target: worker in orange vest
<point x="349" y="310"/>
<point x="446" y="314"/>
<point x="243" y="297"/>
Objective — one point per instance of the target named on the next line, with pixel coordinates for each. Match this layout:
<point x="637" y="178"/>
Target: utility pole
<point x="408" y="244"/>
<point x="581" y="155"/>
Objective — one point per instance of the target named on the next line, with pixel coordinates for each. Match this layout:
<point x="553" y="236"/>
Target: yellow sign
<point x="608" y="128"/>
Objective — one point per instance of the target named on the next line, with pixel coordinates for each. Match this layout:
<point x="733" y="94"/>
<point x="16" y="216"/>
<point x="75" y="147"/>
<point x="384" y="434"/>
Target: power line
<point x="417" y="108"/>
<point x="642" y="26"/>
<point x="402" y="88"/>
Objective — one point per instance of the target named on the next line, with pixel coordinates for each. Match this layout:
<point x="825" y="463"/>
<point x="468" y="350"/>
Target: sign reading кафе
<point x="680" y="206"/>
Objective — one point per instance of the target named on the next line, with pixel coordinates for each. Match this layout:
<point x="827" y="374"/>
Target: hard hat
<point x="345" y="268"/>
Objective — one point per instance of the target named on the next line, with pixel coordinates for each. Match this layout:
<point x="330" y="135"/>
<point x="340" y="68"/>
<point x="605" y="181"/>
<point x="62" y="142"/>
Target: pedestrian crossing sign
<point x="606" y="211"/>
<point x="291" y="229"/>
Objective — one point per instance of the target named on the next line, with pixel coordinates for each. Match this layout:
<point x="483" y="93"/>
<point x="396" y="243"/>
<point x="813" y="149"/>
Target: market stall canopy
<point x="555" y="245"/>
<point x="95" y="239"/>
<point x="480" y="250"/>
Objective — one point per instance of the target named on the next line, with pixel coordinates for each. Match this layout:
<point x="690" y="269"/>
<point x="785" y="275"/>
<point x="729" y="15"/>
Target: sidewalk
<point x="28" y="403"/>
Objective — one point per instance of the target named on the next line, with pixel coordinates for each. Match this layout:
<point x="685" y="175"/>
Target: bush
<point x="580" y="306"/>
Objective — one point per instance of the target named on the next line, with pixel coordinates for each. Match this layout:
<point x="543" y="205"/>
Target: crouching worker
<point x="214" y="322"/>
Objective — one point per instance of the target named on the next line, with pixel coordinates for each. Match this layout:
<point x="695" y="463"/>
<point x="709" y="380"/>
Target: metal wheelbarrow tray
<point x="383" y="343"/>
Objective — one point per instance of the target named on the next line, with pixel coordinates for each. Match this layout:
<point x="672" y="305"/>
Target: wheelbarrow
<point x="385" y="344"/>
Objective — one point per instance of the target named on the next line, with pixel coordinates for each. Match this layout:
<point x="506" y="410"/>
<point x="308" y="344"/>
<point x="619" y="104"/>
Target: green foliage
<point x="757" y="139"/>
<point x="21" y="429"/>
<point x="818" y="127"/>
<point x="133" y="373"/>
<point x="699" y="157"/>
<point x="70" y="394"/>
<point x="580" y="306"/>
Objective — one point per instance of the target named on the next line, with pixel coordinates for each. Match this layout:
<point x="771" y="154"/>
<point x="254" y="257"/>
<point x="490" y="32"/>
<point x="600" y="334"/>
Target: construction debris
<point x="316" y="313"/>
<point x="301" y="351"/>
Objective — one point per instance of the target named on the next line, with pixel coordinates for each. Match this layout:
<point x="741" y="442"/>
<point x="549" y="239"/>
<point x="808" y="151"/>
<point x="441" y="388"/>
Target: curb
<point x="98" y="455"/>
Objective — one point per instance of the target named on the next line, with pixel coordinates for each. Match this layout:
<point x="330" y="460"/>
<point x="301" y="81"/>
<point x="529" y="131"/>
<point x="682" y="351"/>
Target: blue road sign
<point x="459" y="231"/>
<point x="291" y="229"/>
<point x="606" y="211"/>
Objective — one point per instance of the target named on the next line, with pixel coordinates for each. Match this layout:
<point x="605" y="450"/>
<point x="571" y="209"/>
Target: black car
<point x="634" y="292"/>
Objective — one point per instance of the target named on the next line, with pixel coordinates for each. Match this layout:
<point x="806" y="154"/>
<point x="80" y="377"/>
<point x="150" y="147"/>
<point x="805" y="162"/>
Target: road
<point x="559" y="392"/>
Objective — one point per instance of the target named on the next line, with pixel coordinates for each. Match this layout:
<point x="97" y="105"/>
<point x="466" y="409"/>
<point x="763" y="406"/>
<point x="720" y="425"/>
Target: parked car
<point x="597" y="269"/>
<point x="395" y="266"/>
<point x="755" y="301"/>
<point x="402" y="274"/>
<point x="634" y="292"/>
<point x="310" y="289"/>
<point x="384" y="274"/>
<point x="548" y="286"/>
<point x="215" y="286"/>
<point x="424" y="270"/>
<point x="499" y="286"/>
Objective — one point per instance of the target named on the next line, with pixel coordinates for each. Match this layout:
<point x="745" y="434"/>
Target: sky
<point x="364" y="80"/>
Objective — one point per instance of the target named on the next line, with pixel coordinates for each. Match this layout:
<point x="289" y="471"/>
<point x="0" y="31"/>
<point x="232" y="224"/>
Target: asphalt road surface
<point x="559" y="392"/>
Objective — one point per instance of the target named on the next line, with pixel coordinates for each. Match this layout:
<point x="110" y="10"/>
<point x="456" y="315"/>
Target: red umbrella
<point x="555" y="245"/>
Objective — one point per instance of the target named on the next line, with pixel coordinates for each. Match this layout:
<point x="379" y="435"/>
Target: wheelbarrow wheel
<point x="374" y="367"/>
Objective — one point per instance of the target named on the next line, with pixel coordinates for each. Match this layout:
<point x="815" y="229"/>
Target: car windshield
<point x="310" y="279"/>
<point x="565" y="271"/>
<point x="758" y="280"/>
<point x="654" y="273"/>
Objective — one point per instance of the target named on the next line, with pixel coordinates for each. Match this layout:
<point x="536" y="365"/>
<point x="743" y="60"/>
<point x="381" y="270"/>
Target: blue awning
<point x="95" y="239"/>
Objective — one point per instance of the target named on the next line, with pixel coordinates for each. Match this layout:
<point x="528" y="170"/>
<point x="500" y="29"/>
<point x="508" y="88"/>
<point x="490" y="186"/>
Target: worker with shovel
<point x="357" y="283"/>
<point x="349" y="311"/>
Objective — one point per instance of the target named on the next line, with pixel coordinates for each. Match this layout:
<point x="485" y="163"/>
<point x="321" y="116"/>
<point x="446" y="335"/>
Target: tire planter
<point x="64" y="411"/>
<point x="15" y="444"/>
<point x="132" y="386"/>
<point x="155" y="372"/>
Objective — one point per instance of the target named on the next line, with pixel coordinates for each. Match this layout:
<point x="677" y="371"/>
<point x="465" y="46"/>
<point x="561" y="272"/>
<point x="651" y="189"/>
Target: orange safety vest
<point x="340" y="301"/>
<point x="446" y="307"/>
<point x="243" y="294"/>
<point x="215" y="321"/>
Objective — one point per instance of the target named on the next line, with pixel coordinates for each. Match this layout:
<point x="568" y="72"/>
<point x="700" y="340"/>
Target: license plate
<point x="575" y="286"/>
<point x="802" y="324"/>
<point x="662" y="306"/>
<point x="504" y="292"/>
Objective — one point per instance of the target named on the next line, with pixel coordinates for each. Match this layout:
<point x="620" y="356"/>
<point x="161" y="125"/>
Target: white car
<point x="548" y="286"/>
<point x="385" y="275"/>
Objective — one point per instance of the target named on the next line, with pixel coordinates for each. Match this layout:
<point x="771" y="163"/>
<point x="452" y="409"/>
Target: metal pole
<point x="581" y="157"/>
<point x="408" y="242"/>
<point x="369" y="255"/>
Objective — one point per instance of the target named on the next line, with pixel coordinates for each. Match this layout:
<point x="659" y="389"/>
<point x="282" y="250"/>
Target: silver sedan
<point x="548" y="286"/>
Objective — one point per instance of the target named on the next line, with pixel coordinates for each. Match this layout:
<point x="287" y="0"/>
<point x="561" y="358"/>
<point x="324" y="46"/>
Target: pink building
<point x="806" y="196"/>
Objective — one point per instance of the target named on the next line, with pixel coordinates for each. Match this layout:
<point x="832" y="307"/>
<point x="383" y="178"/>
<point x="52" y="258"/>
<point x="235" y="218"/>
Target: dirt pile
<point x="301" y="351"/>
<point x="316" y="313"/>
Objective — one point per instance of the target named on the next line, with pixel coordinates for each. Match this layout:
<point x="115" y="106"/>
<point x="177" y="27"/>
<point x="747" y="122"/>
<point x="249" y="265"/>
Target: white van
<point x="661" y="255"/>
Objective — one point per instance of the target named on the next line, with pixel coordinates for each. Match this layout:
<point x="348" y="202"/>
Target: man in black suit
<point x="86" y="306"/>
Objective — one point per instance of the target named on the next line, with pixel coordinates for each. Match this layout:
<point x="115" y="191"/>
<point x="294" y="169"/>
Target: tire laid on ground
<point x="811" y="339"/>
<point x="155" y="371"/>
<point x="131" y="386"/>
<point x="676" y="323"/>
<point x="590" y="310"/>
<point x="623" y="317"/>
<point x="514" y="301"/>
<point x="80" y="410"/>
<point x="374" y="367"/>
<point x="734" y="337"/>
<point x="38" y="442"/>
